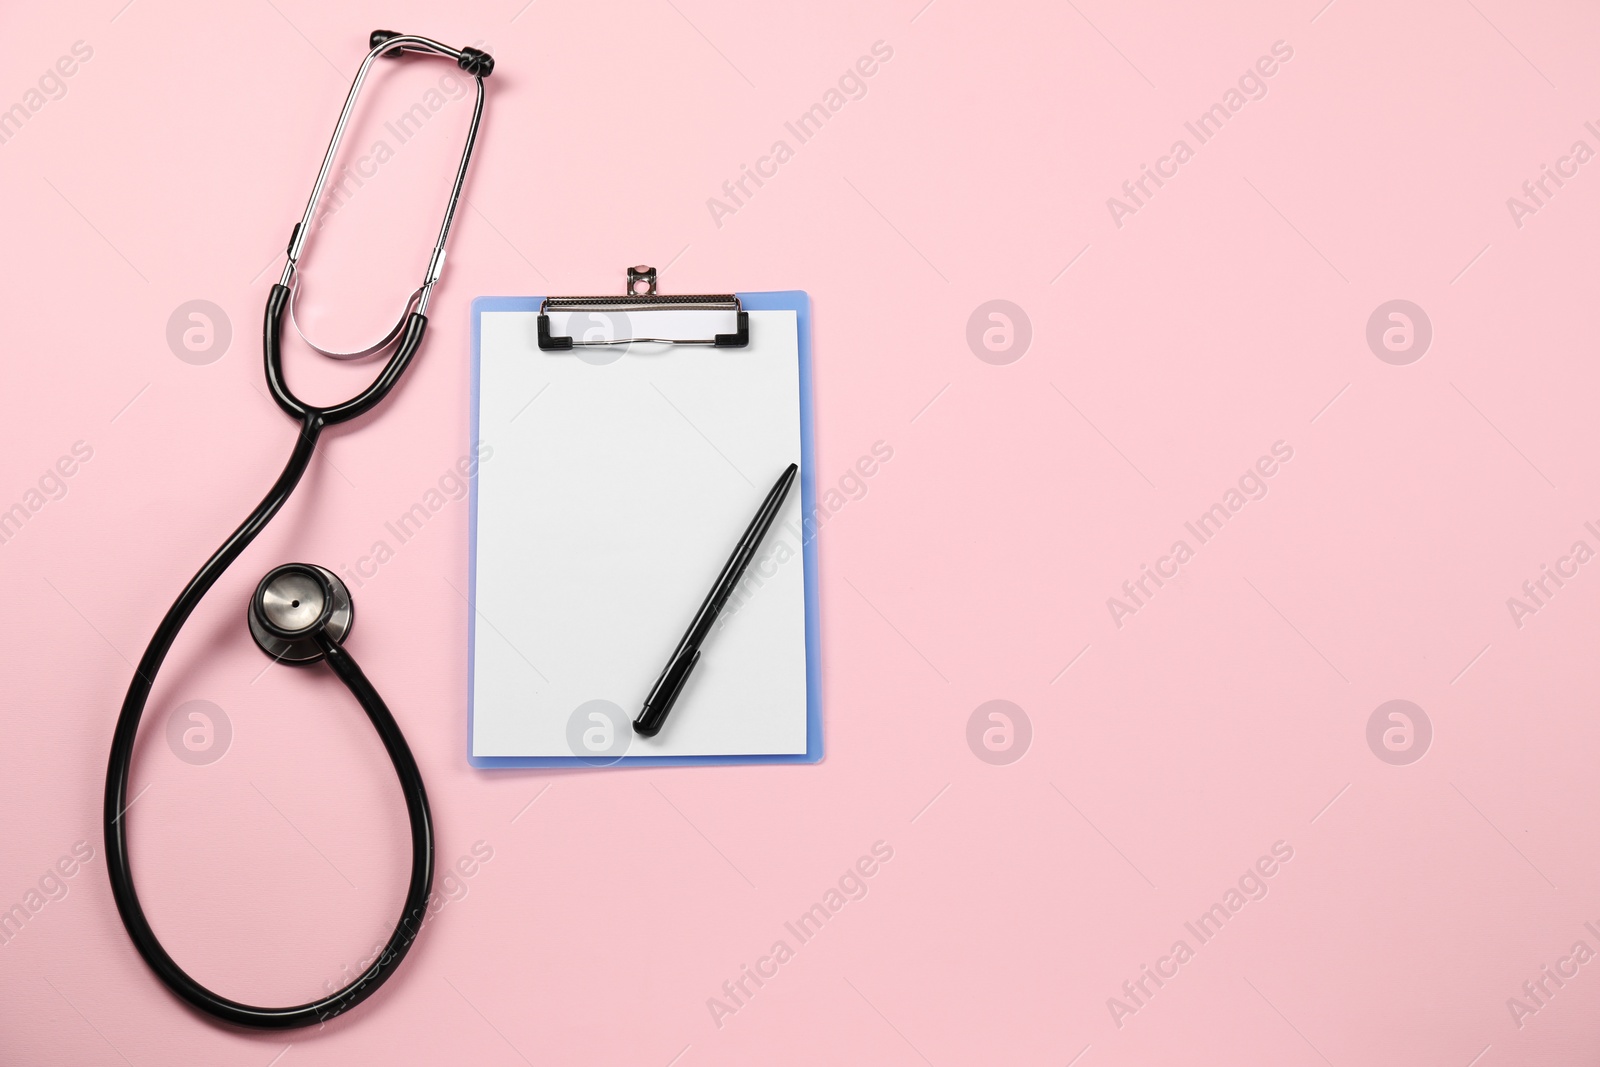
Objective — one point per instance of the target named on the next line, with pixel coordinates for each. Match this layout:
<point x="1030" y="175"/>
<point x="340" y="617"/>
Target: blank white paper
<point x="616" y="487"/>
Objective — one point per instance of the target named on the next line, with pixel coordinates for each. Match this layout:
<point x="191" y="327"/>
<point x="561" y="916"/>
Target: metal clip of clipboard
<point x="641" y="293"/>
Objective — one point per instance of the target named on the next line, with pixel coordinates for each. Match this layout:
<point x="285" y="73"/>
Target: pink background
<point x="1167" y="355"/>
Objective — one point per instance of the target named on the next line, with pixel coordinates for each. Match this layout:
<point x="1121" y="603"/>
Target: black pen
<point x="665" y="692"/>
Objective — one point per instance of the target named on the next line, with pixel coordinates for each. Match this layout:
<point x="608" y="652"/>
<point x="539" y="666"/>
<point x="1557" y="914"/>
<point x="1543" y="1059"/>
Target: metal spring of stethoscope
<point x="300" y="613"/>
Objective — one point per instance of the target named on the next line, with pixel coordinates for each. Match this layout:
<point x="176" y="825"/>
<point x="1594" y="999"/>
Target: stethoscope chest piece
<point x="292" y="605"/>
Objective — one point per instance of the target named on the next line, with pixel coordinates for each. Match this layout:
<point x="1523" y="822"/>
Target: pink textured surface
<point x="1224" y="315"/>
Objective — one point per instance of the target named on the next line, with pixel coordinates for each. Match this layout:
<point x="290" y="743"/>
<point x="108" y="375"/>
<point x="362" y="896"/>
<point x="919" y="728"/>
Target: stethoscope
<point x="300" y="614"/>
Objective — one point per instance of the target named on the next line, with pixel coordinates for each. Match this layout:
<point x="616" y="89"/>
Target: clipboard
<point x="622" y="443"/>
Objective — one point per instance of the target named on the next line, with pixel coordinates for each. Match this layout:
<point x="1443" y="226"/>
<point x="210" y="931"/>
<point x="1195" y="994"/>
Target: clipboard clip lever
<point x="641" y="294"/>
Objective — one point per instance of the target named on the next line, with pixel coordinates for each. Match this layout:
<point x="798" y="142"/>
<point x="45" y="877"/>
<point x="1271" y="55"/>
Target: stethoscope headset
<point x="300" y="614"/>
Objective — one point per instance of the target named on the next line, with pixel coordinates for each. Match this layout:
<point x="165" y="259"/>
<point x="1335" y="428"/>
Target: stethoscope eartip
<point x="293" y="604"/>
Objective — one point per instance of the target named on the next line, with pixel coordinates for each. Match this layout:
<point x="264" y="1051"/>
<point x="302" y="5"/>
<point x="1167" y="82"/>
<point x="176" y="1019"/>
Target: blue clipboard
<point x="787" y="300"/>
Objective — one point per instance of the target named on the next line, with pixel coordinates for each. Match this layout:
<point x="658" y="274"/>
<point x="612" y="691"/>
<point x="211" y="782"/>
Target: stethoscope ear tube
<point x="476" y="63"/>
<point x="416" y="324"/>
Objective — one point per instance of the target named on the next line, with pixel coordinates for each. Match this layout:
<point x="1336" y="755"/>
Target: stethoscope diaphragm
<point x="292" y="604"/>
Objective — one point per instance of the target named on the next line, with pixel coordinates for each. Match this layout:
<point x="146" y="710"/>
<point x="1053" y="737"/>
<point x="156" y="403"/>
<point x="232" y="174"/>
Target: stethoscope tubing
<point x="312" y="421"/>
